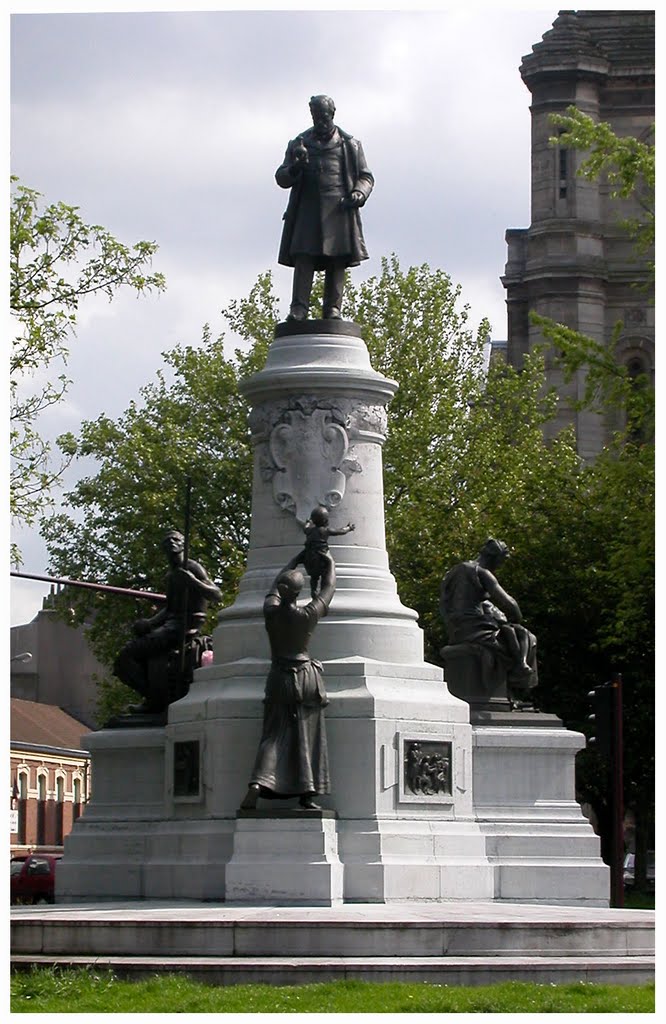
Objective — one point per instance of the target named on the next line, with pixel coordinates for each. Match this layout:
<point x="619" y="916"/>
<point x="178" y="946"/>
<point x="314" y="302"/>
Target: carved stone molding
<point x="306" y="447"/>
<point x="635" y="315"/>
<point x="361" y="420"/>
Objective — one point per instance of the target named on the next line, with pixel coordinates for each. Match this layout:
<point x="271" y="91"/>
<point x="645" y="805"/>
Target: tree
<point x="616" y="528"/>
<point x="56" y="259"/>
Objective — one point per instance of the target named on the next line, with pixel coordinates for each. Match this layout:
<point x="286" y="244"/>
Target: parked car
<point x="629" y="862"/>
<point x="32" y="877"/>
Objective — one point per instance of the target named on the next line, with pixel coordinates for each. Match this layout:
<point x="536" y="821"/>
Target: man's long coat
<point x="357" y="178"/>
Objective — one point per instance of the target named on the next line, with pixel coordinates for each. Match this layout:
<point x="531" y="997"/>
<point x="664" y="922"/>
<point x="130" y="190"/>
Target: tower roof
<point x="594" y="42"/>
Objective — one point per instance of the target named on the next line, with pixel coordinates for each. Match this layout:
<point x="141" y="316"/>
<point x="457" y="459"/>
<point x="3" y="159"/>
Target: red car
<point x="32" y="877"/>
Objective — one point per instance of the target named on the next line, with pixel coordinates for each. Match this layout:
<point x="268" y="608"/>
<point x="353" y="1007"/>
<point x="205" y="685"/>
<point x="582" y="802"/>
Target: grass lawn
<point x="46" y="990"/>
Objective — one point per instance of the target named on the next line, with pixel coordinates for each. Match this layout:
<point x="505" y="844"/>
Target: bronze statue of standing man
<point x="329" y="179"/>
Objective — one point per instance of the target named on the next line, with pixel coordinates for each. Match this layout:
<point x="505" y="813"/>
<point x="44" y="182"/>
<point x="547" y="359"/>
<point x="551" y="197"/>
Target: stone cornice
<point x="593" y="45"/>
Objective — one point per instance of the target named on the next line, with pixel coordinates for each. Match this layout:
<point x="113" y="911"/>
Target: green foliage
<point x="96" y="991"/>
<point x="113" y="698"/>
<point x="56" y="259"/>
<point x="618" y="511"/>
<point x="628" y="163"/>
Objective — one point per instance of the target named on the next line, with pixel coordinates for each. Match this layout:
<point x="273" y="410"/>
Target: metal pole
<point x="186" y="555"/>
<point x="103" y="588"/>
<point x="617" y="797"/>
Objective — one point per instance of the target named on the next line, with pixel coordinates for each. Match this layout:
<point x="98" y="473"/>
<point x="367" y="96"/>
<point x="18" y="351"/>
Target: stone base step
<point x="444" y="943"/>
<point x="484" y="930"/>
<point x="465" y="970"/>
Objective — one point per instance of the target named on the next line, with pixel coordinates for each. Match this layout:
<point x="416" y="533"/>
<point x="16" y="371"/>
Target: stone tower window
<point x="563" y="170"/>
<point x="635" y="366"/>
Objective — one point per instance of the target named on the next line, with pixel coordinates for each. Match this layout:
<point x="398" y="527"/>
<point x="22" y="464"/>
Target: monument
<point x="398" y="797"/>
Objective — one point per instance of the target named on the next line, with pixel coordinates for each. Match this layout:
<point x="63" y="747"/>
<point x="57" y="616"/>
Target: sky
<point x="168" y="126"/>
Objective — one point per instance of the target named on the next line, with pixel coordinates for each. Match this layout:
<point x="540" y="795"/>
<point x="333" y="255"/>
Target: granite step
<point x="444" y="943"/>
<point x="351" y="930"/>
<point x="453" y="970"/>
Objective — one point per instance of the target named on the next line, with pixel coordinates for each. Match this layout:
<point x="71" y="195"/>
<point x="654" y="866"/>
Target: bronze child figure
<point x="317" y="532"/>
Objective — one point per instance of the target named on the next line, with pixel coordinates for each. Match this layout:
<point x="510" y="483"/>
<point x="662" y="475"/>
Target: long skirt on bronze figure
<point x="292" y="758"/>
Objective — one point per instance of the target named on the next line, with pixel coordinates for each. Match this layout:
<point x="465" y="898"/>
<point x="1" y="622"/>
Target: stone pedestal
<point x="106" y="851"/>
<point x="398" y="839"/>
<point x="289" y="857"/>
<point x="318" y="423"/>
<point x="541" y="847"/>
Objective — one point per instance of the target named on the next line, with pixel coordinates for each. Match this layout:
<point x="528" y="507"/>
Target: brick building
<point x="576" y="262"/>
<point x="49" y="777"/>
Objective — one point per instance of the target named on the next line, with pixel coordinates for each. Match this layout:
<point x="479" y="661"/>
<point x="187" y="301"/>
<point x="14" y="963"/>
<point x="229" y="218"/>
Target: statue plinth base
<point x="285" y="859"/>
<point x="331" y="327"/>
<point x="541" y="847"/>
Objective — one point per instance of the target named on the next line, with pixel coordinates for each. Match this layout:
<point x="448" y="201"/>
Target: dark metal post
<point x="102" y="588"/>
<point x="186" y="555"/>
<point x="616" y="786"/>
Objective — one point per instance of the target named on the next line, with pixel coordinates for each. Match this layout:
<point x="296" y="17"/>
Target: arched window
<point x="77" y="799"/>
<point x="635" y="367"/>
<point x="638" y="371"/>
<point x="41" y="809"/>
<point x="60" y="809"/>
<point x="22" y="806"/>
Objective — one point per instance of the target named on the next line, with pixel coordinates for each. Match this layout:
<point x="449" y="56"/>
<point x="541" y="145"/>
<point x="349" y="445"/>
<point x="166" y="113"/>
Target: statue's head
<point x="494" y="552"/>
<point x="322" y="109"/>
<point x="173" y="542"/>
<point x="319" y="515"/>
<point x="289" y="584"/>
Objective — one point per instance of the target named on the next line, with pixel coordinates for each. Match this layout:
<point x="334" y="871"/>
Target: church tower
<point x="576" y="262"/>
